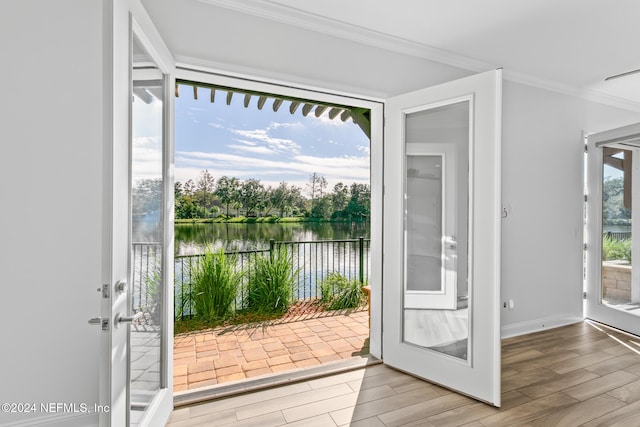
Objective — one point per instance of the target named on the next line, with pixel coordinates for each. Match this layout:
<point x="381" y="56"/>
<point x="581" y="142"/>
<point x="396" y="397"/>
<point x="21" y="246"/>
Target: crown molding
<point x="299" y="18"/>
<point x="588" y="95"/>
<point x="305" y="20"/>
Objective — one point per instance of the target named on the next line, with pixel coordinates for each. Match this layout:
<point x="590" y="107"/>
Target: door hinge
<point x="584" y="247"/>
<point x="584" y="295"/>
<point x="586" y="148"/>
<point x="585" y="198"/>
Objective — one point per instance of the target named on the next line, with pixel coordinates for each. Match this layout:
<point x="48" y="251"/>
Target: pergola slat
<point x="261" y="102"/>
<point x="319" y="110"/>
<point x="306" y="109"/>
<point x="334" y="112"/>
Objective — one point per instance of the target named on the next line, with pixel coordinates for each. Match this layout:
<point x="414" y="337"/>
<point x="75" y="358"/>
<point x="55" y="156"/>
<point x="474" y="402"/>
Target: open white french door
<point x="612" y="227"/>
<point x="441" y="294"/>
<point x="136" y="378"/>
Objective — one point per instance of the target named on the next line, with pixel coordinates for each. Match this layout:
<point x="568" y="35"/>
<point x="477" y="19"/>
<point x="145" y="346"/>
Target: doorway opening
<point x="260" y="179"/>
<point x="613" y="224"/>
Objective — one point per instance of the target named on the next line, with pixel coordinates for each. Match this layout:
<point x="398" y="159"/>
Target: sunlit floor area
<point x="578" y="375"/>
<point x="229" y="354"/>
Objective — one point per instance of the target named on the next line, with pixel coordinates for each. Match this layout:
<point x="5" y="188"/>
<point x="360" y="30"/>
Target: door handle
<point x="127" y="319"/>
<point x="102" y="322"/>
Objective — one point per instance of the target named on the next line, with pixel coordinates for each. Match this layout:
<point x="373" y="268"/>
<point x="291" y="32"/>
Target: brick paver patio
<point x="227" y="354"/>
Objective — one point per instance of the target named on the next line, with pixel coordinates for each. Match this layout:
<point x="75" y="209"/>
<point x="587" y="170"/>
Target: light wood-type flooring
<point x="578" y="375"/>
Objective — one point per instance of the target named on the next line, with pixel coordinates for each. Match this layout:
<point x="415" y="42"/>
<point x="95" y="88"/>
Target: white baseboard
<point x="57" y="420"/>
<point x="538" y="325"/>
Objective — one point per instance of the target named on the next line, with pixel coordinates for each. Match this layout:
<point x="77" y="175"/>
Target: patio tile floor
<point x="227" y="354"/>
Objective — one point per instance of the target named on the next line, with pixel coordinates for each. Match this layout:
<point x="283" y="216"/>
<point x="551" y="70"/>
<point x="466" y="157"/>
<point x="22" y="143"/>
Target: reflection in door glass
<point x="147" y="229"/>
<point x="620" y="288"/>
<point x="436" y="291"/>
<point x="424" y="213"/>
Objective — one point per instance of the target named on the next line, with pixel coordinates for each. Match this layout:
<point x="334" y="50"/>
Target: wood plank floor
<point x="577" y="375"/>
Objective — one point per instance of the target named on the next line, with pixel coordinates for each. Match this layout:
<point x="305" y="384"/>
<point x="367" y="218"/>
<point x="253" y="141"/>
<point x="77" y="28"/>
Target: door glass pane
<point x="436" y="229"/>
<point x="620" y="288"/>
<point x="147" y="225"/>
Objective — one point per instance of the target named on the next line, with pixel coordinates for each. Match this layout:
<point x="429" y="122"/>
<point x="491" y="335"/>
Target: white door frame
<point x="446" y="296"/>
<point x="594" y="308"/>
<point x="255" y="83"/>
<point x="121" y="18"/>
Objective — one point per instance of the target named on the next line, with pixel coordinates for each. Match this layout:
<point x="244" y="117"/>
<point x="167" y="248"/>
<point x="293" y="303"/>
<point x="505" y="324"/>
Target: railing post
<point x="272" y="244"/>
<point x="361" y="257"/>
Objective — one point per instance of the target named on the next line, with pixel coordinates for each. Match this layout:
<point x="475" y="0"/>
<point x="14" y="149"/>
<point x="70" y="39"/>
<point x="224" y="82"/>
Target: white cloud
<point x="215" y="125"/>
<point x="252" y="149"/>
<point x="245" y="142"/>
<point x="279" y="144"/>
<point x="297" y="169"/>
<point x="276" y="125"/>
<point x="146" y="157"/>
<point x="325" y="120"/>
<point x="363" y="149"/>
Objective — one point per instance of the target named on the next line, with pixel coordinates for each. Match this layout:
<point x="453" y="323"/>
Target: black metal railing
<point x="312" y="261"/>
<point x="617" y="235"/>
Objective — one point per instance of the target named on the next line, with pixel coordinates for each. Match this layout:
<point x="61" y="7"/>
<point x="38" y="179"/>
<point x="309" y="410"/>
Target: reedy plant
<point x="215" y="282"/>
<point x="270" y="287"/>
<point x="339" y="293"/>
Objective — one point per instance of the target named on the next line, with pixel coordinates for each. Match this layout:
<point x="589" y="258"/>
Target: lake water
<point x="193" y="238"/>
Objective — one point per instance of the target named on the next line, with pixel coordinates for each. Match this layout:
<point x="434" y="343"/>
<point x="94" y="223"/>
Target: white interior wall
<point x="542" y="131"/>
<point x="542" y="185"/>
<point x="51" y="216"/>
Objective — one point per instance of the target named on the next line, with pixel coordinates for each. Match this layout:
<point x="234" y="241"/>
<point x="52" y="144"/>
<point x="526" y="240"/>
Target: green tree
<point x="185" y="204"/>
<point x="251" y="195"/>
<point x="315" y="188"/>
<point x="147" y="197"/>
<point x="322" y="208"/>
<point x="359" y="206"/>
<point x="228" y="191"/>
<point x="339" y="199"/>
<point x="613" y="200"/>
<point x="205" y="192"/>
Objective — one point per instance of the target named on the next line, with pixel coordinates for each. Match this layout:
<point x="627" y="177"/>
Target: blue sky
<point x="270" y="146"/>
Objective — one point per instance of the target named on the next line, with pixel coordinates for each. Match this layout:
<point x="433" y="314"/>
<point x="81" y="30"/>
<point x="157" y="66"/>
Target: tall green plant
<point x="270" y="287"/>
<point x="614" y="249"/>
<point x="338" y="293"/>
<point x="215" y="283"/>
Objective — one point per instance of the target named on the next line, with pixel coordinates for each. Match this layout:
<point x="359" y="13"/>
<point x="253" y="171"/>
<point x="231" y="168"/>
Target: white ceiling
<point x="566" y="45"/>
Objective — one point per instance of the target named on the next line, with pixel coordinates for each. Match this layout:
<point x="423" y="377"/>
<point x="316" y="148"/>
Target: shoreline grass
<point x="255" y="220"/>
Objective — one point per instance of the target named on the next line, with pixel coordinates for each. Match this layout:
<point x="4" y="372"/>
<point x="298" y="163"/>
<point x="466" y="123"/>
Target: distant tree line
<point x="229" y="196"/>
<point x="613" y="210"/>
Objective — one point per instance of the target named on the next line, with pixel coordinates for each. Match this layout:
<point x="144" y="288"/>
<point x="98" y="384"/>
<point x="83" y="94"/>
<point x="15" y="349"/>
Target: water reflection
<point x="193" y="238"/>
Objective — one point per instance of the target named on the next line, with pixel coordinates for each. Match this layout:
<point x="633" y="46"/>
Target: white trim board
<point x="61" y="419"/>
<point x="538" y="325"/>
